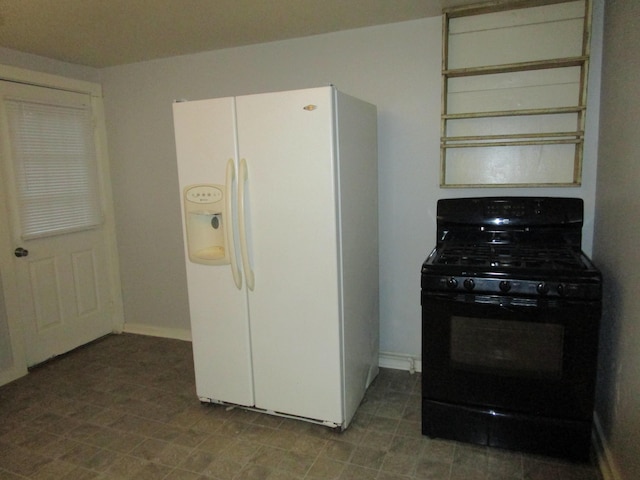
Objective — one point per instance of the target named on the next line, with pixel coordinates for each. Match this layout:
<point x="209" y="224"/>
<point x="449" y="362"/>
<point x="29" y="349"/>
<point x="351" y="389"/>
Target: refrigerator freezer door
<point x="295" y="305"/>
<point x="205" y="141"/>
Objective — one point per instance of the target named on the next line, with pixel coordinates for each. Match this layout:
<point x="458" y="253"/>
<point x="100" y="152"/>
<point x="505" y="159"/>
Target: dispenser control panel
<point x="204" y="194"/>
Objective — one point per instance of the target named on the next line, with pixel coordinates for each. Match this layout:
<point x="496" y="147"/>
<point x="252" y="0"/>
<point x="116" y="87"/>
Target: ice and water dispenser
<point x="205" y="223"/>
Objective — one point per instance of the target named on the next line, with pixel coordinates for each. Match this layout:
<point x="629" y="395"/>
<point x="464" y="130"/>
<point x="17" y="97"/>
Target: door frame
<point x="9" y="298"/>
<point x="94" y="90"/>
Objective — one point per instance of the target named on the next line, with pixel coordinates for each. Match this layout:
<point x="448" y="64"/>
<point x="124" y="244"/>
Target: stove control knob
<point x="452" y="283"/>
<point x="561" y="289"/>
<point x="542" y="288"/>
<point x="469" y="284"/>
<point x="505" y="286"/>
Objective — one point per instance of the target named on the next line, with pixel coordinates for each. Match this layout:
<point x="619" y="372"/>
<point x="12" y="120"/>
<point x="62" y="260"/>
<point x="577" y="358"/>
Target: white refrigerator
<point x="280" y="220"/>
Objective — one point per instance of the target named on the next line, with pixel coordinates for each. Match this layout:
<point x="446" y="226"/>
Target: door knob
<point x="21" y="252"/>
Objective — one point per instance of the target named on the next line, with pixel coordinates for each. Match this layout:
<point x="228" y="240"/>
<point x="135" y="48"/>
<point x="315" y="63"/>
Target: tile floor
<point x="124" y="407"/>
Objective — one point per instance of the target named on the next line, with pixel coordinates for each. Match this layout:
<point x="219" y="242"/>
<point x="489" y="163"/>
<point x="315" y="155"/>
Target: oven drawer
<point x="546" y="436"/>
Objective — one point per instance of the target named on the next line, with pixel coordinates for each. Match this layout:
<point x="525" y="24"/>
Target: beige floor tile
<point x="125" y="408"/>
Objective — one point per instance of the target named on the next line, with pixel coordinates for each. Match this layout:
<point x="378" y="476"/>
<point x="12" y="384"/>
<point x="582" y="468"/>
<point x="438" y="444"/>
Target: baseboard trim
<point x="400" y="361"/>
<point x="606" y="463"/>
<point x="153" y="331"/>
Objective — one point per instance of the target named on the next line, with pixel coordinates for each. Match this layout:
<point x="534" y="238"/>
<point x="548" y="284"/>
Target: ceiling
<point x="102" y="33"/>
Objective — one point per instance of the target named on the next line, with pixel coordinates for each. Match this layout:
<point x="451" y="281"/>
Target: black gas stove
<point x="510" y="312"/>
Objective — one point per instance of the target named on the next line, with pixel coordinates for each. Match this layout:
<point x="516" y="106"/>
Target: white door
<point x="61" y="256"/>
<point x="205" y="145"/>
<point x="287" y="141"/>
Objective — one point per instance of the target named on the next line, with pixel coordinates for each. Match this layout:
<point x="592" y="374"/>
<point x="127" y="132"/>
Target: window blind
<point x="55" y="167"/>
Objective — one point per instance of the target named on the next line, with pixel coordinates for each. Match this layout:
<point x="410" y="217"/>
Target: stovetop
<point x="511" y="246"/>
<point x="509" y="257"/>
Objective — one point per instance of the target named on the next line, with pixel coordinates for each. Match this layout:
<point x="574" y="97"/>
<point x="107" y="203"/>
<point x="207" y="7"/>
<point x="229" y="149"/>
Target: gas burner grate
<point x="509" y="256"/>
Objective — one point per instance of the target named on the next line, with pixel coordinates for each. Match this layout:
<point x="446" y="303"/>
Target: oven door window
<point x="506" y="347"/>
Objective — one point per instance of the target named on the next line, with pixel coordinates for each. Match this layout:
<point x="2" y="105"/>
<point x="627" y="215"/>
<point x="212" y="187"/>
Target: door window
<point x="55" y="167"/>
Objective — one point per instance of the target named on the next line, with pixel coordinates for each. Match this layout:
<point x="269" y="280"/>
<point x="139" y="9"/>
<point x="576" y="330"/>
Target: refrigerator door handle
<point x="235" y="269"/>
<point x="244" y="249"/>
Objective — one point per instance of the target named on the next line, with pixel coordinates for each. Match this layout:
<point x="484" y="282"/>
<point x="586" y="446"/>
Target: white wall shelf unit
<point x="514" y="80"/>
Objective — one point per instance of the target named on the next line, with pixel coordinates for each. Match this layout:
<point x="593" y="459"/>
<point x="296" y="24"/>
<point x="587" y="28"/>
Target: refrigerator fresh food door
<point x="287" y="140"/>
<point x="206" y="148"/>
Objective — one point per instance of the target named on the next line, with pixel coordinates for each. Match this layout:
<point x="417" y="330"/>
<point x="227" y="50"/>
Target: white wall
<point x="396" y="67"/>
<point x="617" y="240"/>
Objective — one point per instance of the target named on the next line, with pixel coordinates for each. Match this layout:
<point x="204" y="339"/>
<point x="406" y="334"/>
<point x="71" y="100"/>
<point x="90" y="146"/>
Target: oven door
<point x="512" y="355"/>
